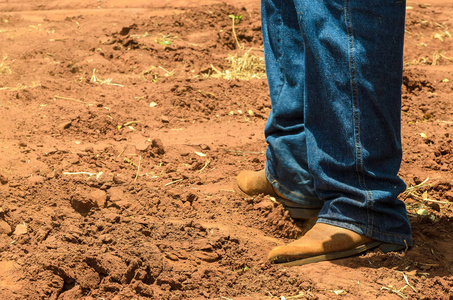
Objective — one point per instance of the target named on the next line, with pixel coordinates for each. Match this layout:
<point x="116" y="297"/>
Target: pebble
<point x="21" y="229"/>
<point x="3" y="179"/>
<point x="158" y="145"/>
<point x="449" y="196"/>
<point x="99" y="197"/>
<point x="5" y="228"/>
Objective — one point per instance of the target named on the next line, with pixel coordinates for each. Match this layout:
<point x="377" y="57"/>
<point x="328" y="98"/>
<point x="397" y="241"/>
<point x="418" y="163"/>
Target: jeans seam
<point x="356" y="117"/>
<point x="279" y="49"/>
<point x="277" y="53"/>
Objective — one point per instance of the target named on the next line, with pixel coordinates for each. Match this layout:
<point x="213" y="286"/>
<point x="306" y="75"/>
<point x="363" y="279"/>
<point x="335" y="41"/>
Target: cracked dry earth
<point x="120" y="142"/>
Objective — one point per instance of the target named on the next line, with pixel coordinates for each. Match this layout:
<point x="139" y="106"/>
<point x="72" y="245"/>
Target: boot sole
<point x="289" y="261"/>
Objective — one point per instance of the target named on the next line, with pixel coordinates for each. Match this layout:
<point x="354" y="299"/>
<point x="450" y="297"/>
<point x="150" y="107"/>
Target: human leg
<point x="353" y="73"/>
<point x="354" y="52"/>
<point x="352" y="80"/>
<point x="335" y="120"/>
<point x="286" y="155"/>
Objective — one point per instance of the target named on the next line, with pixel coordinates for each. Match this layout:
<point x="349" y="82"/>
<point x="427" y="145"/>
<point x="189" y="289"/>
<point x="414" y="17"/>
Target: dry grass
<point x="20" y="86"/>
<point x="439" y="56"/>
<point x="4" y="67"/>
<point x="243" y="66"/>
<point x="155" y="73"/>
<point x="419" y="193"/>
<point x="165" y="40"/>
<point x="97" y="80"/>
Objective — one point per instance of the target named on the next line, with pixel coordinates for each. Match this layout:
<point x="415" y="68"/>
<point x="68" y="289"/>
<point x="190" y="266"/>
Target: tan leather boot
<point x="254" y="183"/>
<point x="325" y="242"/>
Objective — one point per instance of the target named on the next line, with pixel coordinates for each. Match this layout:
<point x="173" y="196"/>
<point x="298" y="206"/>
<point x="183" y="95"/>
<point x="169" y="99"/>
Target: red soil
<point x="157" y="219"/>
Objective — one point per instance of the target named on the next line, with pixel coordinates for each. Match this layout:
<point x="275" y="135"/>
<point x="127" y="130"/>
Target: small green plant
<point x="165" y="40"/>
<point x="236" y="20"/>
<point x="244" y="64"/>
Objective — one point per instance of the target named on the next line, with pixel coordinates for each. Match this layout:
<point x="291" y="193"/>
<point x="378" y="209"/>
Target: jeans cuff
<point x="309" y="201"/>
<point x="386" y="237"/>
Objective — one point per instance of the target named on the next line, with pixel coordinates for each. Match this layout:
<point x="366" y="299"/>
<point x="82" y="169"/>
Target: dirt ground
<point x="120" y="139"/>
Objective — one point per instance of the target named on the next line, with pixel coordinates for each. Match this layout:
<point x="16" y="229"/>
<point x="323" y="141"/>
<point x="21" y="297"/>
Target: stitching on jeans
<point x="279" y="56"/>
<point x="356" y="116"/>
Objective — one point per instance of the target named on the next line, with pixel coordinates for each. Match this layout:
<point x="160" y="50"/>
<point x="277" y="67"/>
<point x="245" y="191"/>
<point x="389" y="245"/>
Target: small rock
<point x="81" y="204"/>
<point x="449" y="196"/>
<point x="21" y="229"/>
<point x="191" y="197"/>
<point x="5" y="228"/>
<point x="256" y="160"/>
<point x="164" y="119"/>
<point x="65" y="125"/>
<point x="141" y="145"/>
<point x="158" y="145"/>
<point x="125" y="30"/>
<point x="434" y="206"/>
<point x="146" y="232"/>
<point x="74" y="69"/>
<point x="99" y="197"/>
<point x="3" y="179"/>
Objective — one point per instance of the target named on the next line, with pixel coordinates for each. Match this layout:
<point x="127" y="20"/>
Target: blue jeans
<point x="335" y="72"/>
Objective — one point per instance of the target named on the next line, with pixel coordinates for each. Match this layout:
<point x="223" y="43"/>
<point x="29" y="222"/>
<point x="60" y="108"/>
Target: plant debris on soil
<point x="121" y="136"/>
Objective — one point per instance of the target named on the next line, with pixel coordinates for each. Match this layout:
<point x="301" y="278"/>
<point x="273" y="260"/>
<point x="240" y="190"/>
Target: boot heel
<point x="386" y="247"/>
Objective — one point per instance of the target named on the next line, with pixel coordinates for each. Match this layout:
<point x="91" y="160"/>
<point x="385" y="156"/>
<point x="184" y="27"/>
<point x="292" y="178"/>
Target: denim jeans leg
<point x="334" y="129"/>
<point x="286" y="156"/>
<point x="353" y="66"/>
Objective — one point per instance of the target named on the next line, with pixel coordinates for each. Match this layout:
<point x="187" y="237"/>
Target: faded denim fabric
<point x="335" y="73"/>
